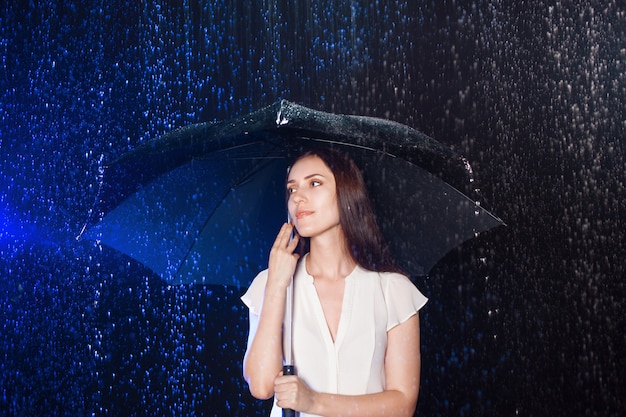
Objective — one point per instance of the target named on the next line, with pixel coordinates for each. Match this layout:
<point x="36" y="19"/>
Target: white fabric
<point x="373" y="304"/>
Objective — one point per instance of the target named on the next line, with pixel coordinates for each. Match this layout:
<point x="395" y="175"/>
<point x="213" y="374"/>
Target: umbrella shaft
<point x="287" y="325"/>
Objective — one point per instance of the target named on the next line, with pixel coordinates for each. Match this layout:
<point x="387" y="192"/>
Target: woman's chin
<point x="302" y="232"/>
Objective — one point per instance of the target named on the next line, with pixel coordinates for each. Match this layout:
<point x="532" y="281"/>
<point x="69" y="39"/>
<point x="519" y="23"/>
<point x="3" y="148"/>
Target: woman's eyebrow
<point x="306" y="178"/>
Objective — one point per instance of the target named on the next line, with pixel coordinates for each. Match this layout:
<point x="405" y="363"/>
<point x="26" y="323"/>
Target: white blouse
<point x="354" y="364"/>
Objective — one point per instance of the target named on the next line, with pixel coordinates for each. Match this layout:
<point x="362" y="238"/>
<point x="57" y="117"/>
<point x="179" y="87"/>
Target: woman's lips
<point x="303" y="213"/>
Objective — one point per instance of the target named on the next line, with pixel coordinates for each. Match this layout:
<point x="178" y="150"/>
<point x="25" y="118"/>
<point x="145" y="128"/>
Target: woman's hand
<point x="282" y="262"/>
<point x="291" y="392"/>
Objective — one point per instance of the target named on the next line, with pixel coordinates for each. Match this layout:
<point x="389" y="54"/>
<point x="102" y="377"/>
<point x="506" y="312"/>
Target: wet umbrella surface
<point x="204" y="203"/>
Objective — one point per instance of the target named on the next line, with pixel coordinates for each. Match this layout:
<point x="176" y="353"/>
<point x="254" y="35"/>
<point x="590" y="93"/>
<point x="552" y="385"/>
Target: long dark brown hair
<point x="356" y="216"/>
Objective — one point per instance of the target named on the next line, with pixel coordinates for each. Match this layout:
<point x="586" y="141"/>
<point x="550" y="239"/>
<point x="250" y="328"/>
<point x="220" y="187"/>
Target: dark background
<point x="525" y="320"/>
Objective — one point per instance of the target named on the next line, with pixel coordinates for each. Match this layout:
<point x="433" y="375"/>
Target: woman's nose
<point x="297" y="196"/>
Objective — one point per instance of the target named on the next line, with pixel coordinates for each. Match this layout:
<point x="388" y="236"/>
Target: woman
<point x="355" y="317"/>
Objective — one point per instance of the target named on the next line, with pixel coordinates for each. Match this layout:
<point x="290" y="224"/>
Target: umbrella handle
<point x="288" y="370"/>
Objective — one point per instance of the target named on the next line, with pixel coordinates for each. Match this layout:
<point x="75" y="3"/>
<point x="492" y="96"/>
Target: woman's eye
<point x="315" y="183"/>
<point x="291" y="190"/>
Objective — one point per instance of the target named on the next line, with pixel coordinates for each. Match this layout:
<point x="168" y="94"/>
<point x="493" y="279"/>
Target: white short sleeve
<point x="253" y="298"/>
<point x="402" y="298"/>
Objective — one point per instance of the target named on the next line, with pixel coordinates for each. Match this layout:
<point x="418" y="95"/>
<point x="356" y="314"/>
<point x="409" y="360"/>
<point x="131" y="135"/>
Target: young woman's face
<point x="312" y="202"/>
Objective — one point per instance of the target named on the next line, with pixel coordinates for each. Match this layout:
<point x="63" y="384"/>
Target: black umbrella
<point x="203" y="204"/>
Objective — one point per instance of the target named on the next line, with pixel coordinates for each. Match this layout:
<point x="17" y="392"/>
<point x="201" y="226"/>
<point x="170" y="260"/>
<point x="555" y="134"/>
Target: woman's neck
<point x="329" y="258"/>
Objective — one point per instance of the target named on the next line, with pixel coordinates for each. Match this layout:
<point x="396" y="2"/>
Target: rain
<point x="526" y="319"/>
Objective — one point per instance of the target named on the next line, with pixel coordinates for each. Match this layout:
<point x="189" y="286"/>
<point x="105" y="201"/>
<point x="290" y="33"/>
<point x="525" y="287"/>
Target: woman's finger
<point x="282" y="260"/>
<point x="293" y="243"/>
<point x="284" y="234"/>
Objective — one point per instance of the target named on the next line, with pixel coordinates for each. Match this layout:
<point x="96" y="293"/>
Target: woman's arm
<point x="264" y="356"/>
<point x="402" y="372"/>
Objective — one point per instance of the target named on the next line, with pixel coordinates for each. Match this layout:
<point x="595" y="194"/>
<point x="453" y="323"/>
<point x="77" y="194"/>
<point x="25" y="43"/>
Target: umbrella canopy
<point x="203" y="204"/>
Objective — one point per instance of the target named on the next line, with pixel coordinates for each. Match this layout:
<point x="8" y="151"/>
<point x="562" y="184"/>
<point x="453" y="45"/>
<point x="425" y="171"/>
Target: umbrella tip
<point x="281" y="119"/>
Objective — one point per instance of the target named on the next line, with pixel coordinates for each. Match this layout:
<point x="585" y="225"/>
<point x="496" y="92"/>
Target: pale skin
<point x="313" y="207"/>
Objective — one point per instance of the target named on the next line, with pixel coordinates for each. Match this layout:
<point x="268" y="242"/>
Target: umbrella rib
<point x="353" y="145"/>
<point x="268" y="155"/>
